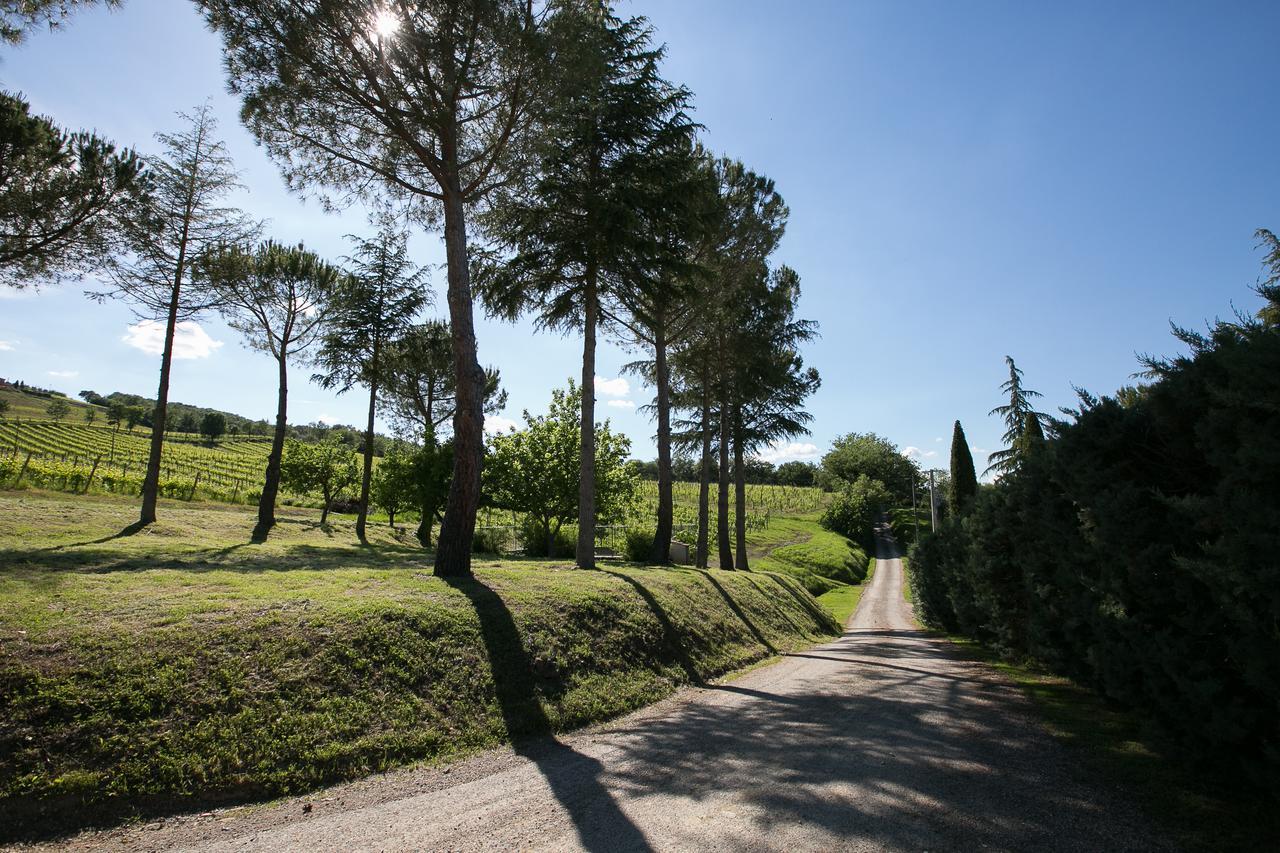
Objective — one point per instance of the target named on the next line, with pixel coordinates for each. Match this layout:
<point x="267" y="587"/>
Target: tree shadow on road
<point x="574" y="778"/>
<point x="864" y="753"/>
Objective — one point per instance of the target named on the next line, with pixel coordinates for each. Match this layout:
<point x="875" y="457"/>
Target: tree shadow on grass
<point x="669" y="634"/>
<point x="574" y="778"/>
<point x="733" y="605"/>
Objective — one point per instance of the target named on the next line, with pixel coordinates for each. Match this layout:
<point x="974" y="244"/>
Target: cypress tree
<point x="963" y="487"/>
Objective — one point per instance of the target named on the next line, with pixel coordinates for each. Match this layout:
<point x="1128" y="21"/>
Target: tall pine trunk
<point x="661" y="551"/>
<point x="704" y="485"/>
<point x="586" y="551"/>
<point x="453" y="556"/>
<point x="367" y="475"/>
<point x="271" y="482"/>
<point x="722" y="495"/>
<point x="740" y="496"/>
<point x="151" y="480"/>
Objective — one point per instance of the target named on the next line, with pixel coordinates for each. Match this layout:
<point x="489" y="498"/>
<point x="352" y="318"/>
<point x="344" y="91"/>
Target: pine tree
<point x="1017" y="413"/>
<point x="19" y="17"/>
<point x="963" y="485"/>
<point x="748" y="226"/>
<point x="278" y="297"/>
<point x="65" y="198"/>
<point x="660" y="313"/>
<point x="369" y="310"/>
<point x="186" y="222"/>
<point x="770" y="382"/>
<point x="587" y="227"/>
<point x="1269" y="287"/>
<point x="427" y="105"/>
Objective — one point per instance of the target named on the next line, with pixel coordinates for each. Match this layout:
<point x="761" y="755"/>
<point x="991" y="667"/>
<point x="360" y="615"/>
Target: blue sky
<point x="966" y="180"/>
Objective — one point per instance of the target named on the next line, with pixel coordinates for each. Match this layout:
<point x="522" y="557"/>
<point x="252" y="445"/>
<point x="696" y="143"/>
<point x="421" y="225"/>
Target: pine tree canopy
<point x="20" y="17"/>
<point x="1017" y="414"/>
<point x="64" y="197"/>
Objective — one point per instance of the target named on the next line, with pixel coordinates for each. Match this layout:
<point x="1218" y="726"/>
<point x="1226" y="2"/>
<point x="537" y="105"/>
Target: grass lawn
<point x="801" y="547"/>
<point x="1199" y="809"/>
<point x="184" y="666"/>
<point x="843" y="600"/>
<point x="32" y="406"/>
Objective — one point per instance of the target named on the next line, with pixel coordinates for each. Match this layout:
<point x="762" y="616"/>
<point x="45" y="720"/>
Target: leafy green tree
<point x="65" y="197"/>
<point x="369" y="310"/>
<point x="4" y="408"/>
<point x="420" y="385"/>
<point x="797" y="473"/>
<point x="134" y="415"/>
<point x="876" y="456"/>
<point x="1018" y="413"/>
<point x="117" y="413"/>
<point x="962" y="488"/>
<point x="58" y="409"/>
<point x="326" y="467"/>
<point x="19" y="17"/>
<point x="535" y="471"/>
<point x="854" y="510"/>
<point x="432" y="468"/>
<point x="278" y="298"/>
<point x="90" y="414"/>
<point x="190" y="181"/>
<point x="583" y="229"/>
<point x="394" y="489"/>
<point x="428" y="105"/>
<point x="213" y="426"/>
<point x="188" y="423"/>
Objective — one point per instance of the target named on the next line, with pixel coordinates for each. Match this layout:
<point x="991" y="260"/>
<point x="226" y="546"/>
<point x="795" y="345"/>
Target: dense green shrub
<point x="638" y="544"/>
<point x="537" y="542"/>
<point x="855" y="509"/>
<point x="490" y="540"/>
<point x="1140" y="550"/>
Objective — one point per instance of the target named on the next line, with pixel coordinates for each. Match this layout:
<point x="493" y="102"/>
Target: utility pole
<point x="933" y="505"/>
<point x="915" y="517"/>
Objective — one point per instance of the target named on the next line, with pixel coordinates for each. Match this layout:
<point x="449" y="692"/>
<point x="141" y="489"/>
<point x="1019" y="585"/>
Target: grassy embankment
<point x="183" y="667"/>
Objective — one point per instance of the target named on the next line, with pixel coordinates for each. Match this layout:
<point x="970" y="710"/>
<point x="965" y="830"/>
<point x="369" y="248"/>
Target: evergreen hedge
<point x="1139" y="551"/>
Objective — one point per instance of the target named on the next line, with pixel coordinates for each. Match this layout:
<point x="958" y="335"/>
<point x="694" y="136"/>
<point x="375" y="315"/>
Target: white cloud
<point x="939" y="439"/>
<point x="497" y="423"/>
<point x="981" y="450"/>
<point x="64" y="374"/>
<point x="621" y="404"/>
<point x="7" y="346"/>
<point x="619" y="387"/>
<point x="189" y="340"/>
<point x="782" y="451"/>
<point x="915" y="451"/>
<point x="329" y="420"/>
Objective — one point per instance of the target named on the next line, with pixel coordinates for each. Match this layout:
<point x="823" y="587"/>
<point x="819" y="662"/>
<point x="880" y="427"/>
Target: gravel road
<point x="886" y="739"/>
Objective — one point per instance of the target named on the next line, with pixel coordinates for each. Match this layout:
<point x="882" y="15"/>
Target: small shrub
<point x="637" y="545"/>
<point x="535" y="541"/>
<point x="489" y="540"/>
